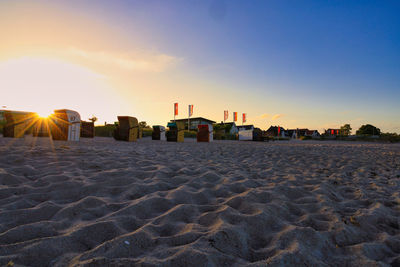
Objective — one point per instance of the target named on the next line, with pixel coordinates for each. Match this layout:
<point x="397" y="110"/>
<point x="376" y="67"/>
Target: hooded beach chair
<point x="87" y="129"/>
<point x="65" y="125"/>
<point x="176" y="132"/>
<point x="16" y="123"/>
<point x="127" y="130"/>
<point x="204" y="133"/>
<point x="158" y="133"/>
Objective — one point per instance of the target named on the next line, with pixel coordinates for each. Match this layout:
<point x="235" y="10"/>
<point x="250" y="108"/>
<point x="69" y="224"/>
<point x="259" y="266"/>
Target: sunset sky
<point x="314" y="64"/>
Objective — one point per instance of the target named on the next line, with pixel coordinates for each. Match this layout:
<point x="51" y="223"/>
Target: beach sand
<point x="99" y="202"/>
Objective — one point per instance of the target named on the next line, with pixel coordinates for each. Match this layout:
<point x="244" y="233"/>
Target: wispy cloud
<point x="138" y="61"/>
<point x="277" y="116"/>
<point x="263" y="116"/>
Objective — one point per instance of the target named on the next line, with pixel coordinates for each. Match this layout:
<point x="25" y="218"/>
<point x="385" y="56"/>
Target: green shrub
<point x="390" y="137"/>
<point x="105" y="130"/>
<point x="147" y="132"/>
<point x="190" y="134"/>
<point x="231" y="137"/>
<point x="281" y="139"/>
<point x="305" y="138"/>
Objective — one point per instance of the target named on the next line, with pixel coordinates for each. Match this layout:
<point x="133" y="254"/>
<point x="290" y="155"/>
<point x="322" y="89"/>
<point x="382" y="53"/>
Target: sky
<point x="297" y="64"/>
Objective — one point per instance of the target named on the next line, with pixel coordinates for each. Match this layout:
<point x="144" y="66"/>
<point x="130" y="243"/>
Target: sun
<point x="44" y="114"/>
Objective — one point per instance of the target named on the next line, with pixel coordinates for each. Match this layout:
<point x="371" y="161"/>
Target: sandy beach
<point x="99" y="202"/>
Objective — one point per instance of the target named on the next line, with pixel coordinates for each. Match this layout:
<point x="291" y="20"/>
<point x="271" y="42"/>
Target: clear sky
<point x="315" y="64"/>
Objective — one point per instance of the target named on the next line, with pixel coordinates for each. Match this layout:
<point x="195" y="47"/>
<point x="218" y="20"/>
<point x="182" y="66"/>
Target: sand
<point x="105" y="203"/>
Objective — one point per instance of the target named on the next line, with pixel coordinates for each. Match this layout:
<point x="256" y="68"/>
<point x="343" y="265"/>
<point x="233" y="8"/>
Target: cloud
<point x="277" y="116"/>
<point x="264" y="116"/>
<point x="138" y="61"/>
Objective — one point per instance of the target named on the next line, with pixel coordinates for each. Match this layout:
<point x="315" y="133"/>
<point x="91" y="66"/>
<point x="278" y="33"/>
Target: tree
<point x="368" y="129"/>
<point x="93" y="119"/>
<point x="143" y="125"/>
<point x="345" y="129"/>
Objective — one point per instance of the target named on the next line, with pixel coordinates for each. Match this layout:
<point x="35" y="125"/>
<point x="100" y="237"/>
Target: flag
<point x="332" y="132"/>
<point x="337" y="132"/>
<point x="225" y="115"/>
<point x="244" y="117"/>
<point x="176" y="109"/>
<point x="234" y="116"/>
<point x="190" y="110"/>
<point x="279" y="130"/>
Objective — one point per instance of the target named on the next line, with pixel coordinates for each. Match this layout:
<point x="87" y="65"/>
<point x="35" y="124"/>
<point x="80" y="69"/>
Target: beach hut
<point x="16" y="123"/>
<point x="127" y="129"/>
<point x="205" y="133"/>
<point x="65" y="125"/>
<point x="245" y="132"/>
<point x="87" y="129"/>
<point x="175" y="131"/>
<point x="41" y="128"/>
<point x="158" y="133"/>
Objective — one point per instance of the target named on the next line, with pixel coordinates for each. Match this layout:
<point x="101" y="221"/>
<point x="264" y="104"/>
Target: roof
<point x="196" y="118"/>
<point x="227" y="123"/>
<point x="245" y="127"/>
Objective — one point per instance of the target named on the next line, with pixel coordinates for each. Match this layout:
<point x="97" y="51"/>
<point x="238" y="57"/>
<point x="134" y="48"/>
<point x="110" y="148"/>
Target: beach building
<point x="291" y="133"/>
<point x="195" y="122"/>
<point x="299" y="132"/>
<point x="276" y="131"/>
<point x="332" y="132"/>
<point x="245" y="132"/>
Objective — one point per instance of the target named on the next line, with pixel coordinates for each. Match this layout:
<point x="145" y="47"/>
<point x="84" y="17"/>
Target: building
<point x="297" y="133"/>
<point x="274" y="131"/>
<point x="194" y="122"/>
<point x="245" y="132"/>
<point x="332" y="132"/>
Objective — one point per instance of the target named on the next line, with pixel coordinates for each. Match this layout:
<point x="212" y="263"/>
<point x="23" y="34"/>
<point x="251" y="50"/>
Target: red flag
<point x="244" y="117"/>
<point x="225" y="115"/>
<point x="337" y="131"/>
<point x="234" y="116"/>
<point x="190" y="110"/>
<point x="279" y="130"/>
<point x="332" y="132"/>
<point x="176" y="109"/>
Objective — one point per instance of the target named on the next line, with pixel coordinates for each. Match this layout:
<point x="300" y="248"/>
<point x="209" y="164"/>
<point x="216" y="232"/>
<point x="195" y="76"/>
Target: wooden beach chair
<point x="204" y="133"/>
<point x="127" y="130"/>
<point x="176" y="132"/>
<point x="158" y="133"/>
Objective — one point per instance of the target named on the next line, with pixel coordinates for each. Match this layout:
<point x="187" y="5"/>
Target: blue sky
<point x="316" y="63"/>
